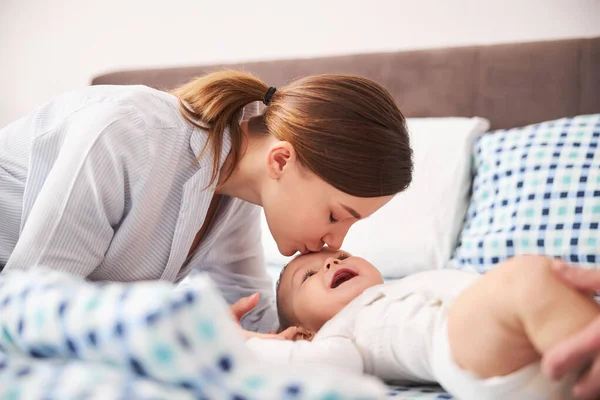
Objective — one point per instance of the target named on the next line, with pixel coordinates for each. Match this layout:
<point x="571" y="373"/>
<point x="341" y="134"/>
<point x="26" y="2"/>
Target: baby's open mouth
<point x="341" y="276"/>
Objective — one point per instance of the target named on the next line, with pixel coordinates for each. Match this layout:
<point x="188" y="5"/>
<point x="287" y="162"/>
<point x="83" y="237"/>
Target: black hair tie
<point x="270" y="92"/>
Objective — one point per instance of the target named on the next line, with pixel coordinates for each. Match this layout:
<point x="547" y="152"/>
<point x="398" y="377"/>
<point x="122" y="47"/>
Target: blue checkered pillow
<point x="536" y="190"/>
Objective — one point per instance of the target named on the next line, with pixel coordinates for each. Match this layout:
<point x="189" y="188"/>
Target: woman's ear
<point x="280" y="157"/>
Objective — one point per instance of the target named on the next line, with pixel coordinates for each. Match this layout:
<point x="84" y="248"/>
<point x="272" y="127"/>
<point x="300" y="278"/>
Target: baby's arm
<point x="337" y="352"/>
<point x="512" y="315"/>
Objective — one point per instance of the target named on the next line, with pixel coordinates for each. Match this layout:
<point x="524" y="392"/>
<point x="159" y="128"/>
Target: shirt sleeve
<point x="76" y="190"/>
<point x="336" y="351"/>
<point x="236" y="264"/>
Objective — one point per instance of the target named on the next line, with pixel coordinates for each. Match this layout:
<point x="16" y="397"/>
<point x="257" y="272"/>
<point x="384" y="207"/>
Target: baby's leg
<point x="512" y="315"/>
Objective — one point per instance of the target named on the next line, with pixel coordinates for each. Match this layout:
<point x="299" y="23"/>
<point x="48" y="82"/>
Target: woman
<point x="127" y="183"/>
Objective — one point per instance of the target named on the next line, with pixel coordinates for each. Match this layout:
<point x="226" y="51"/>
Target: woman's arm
<point x="75" y="191"/>
<point x="236" y="265"/>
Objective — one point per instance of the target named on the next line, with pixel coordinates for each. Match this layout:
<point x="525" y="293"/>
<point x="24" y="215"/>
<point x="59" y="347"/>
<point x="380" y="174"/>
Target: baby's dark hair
<point x="284" y="322"/>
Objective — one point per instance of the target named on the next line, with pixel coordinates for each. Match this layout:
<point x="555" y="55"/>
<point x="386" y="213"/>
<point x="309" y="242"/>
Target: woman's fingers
<point x="573" y="353"/>
<point x="244" y="305"/>
<point x="583" y="348"/>
<point x="588" y="385"/>
<point x="582" y="279"/>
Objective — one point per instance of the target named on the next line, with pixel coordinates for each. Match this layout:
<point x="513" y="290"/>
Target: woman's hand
<point x="244" y="305"/>
<point x="583" y="348"/>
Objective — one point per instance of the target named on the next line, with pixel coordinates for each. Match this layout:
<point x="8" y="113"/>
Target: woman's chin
<point x="287" y="252"/>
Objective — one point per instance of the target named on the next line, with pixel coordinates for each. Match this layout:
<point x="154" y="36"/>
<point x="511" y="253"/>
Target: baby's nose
<point x="331" y="262"/>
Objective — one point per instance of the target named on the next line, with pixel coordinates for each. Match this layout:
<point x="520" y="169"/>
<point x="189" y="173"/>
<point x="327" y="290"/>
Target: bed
<point x="509" y="84"/>
<point x="514" y="87"/>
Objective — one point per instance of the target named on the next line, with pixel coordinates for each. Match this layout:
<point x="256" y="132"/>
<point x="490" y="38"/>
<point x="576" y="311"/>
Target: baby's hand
<point x="298" y="334"/>
<point x="288" y="334"/>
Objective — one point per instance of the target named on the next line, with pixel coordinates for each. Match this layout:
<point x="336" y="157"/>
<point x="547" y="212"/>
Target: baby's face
<point x="316" y="286"/>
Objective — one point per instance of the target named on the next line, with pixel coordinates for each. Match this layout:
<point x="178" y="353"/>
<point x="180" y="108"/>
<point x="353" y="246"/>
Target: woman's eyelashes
<point x="332" y="218"/>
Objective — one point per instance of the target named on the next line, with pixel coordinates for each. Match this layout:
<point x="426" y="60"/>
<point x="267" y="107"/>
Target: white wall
<point x="47" y="47"/>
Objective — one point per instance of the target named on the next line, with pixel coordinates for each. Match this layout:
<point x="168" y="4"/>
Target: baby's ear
<point x="303" y="334"/>
<point x="294" y="333"/>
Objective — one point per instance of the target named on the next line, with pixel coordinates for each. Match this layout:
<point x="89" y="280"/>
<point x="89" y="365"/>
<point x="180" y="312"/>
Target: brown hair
<point x="346" y="129"/>
<point x="284" y="321"/>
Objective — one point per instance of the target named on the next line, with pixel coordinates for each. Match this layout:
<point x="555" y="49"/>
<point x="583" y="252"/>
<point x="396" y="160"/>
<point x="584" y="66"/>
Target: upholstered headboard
<point x="510" y="84"/>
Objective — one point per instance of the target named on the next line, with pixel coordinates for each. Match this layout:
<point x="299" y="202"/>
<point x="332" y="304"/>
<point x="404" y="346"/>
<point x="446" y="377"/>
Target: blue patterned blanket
<point x="64" y="338"/>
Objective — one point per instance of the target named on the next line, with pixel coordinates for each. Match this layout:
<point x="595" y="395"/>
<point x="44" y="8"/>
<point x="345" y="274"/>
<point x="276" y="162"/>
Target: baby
<point x="478" y="336"/>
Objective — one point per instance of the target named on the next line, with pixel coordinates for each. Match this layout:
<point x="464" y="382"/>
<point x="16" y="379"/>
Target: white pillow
<point x="418" y="230"/>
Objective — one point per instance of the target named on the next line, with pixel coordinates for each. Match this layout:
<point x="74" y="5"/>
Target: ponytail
<point x="346" y="129"/>
<point x="216" y="100"/>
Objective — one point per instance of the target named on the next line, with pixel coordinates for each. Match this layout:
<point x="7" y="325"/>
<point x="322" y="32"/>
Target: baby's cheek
<point x="314" y="309"/>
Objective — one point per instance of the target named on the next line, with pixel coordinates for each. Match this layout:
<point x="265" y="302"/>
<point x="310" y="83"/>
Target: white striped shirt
<point x="102" y="182"/>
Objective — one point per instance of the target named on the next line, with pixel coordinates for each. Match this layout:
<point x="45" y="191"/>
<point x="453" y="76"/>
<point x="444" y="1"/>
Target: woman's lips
<point x="341" y="276"/>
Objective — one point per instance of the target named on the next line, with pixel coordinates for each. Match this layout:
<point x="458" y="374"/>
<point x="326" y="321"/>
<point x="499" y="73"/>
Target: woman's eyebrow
<point x="351" y="211"/>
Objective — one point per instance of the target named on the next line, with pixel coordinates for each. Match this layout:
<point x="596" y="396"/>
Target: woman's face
<point x="303" y="211"/>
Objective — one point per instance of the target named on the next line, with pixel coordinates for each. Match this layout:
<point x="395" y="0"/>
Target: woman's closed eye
<point x="307" y="275"/>
<point x="332" y="219"/>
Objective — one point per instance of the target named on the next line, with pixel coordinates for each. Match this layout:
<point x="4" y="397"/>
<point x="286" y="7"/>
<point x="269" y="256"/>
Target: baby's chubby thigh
<point x="482" y="350"/>
<point x="485" y="334"/>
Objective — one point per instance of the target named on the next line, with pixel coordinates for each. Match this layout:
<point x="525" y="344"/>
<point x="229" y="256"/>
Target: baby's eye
<point x="307" y="275"/>
<point x="343" y="256"/>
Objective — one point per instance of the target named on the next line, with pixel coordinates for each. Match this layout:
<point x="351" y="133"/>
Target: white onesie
<point x="397" y="332"/>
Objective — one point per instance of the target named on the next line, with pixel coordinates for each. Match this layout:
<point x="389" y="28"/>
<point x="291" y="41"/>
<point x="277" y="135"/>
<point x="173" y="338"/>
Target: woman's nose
<point x="334" y="240"/>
